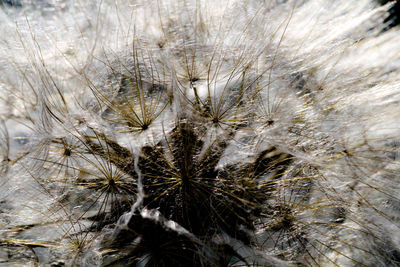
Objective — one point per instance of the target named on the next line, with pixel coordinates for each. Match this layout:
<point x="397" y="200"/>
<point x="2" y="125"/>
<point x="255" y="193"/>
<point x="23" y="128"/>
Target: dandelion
<point x="199" y="133"/>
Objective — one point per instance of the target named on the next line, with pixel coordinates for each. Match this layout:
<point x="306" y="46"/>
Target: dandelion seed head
<point x="199" y="133"/>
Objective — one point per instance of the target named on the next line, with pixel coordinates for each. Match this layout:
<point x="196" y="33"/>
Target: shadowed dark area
<point x="11" y="2"/>
<point x="394" y="17"/>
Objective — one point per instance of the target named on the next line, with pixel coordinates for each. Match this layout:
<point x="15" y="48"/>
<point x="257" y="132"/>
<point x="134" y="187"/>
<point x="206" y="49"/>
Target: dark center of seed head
<point x="287" y="221"/>
<point x="67" y="152"/>
<point x="270" y="122"/>
<point x="194" y="79"/>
